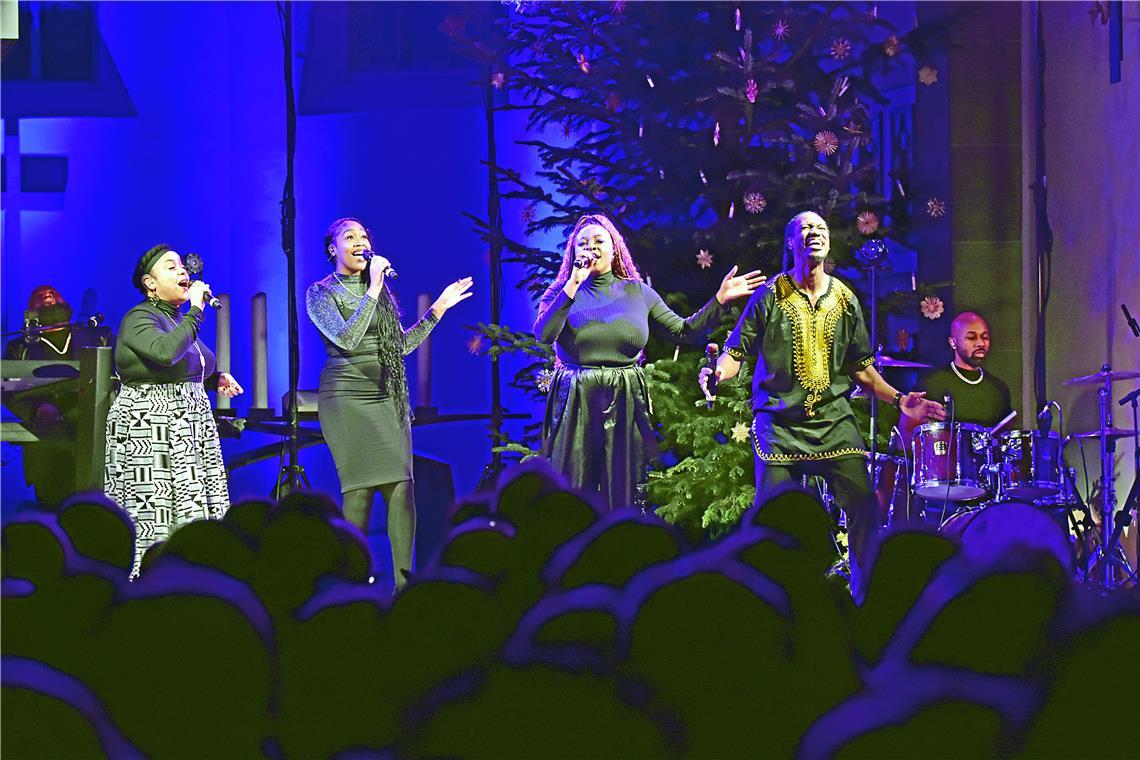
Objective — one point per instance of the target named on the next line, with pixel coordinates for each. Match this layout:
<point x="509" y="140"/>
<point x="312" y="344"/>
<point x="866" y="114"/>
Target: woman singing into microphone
<point x="164" y="461"/>
<point x="598" y="313"/>
<point x="363" y="401"/>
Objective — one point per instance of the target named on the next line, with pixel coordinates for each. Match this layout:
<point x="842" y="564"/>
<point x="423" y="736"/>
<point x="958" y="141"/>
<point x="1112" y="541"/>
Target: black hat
<point x="145" y="262"/>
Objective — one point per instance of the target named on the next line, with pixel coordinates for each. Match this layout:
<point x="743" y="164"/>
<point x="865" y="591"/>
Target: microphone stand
<point x="292" y="476"/>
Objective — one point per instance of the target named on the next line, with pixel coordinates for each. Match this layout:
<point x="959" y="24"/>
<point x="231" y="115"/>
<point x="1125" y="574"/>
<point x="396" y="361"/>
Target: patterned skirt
<point x="164" y="460"/>
<point x="598" y="432"/>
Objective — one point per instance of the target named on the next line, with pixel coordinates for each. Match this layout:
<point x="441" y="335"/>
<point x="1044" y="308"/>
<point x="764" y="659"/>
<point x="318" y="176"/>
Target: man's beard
<point x="973" y="361"/>
<point x="59" y="313"/>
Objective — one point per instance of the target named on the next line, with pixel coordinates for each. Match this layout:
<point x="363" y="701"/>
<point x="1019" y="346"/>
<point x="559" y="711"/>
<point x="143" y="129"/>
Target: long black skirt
<point x="597" y="431"/>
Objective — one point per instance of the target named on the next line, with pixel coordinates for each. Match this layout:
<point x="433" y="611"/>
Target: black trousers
<point x="848" y="481"/>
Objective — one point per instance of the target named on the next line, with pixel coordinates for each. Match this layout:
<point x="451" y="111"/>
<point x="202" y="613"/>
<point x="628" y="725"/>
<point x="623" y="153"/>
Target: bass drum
<point x="993" y="529"/>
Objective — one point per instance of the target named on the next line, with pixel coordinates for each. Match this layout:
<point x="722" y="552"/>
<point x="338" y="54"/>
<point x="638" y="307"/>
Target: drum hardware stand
<point x="1110" y="554"/>
<point x="873" y="255"/>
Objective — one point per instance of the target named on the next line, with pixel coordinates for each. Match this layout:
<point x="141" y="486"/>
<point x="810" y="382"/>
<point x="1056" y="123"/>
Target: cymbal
<point x="1112" y="433"/>
<point x="1099" y="377"/>
<point x="882" y="360"/>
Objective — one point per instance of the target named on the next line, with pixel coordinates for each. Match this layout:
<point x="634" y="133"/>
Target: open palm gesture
<point x="736" y="287"/>
<point x="451" y="295"/>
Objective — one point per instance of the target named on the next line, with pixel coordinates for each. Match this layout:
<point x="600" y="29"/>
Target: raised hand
<point x="733" y="286"/>
<point x="451" y="295"/>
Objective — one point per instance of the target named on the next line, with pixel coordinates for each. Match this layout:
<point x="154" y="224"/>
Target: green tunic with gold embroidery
<point x="804" y="360"/>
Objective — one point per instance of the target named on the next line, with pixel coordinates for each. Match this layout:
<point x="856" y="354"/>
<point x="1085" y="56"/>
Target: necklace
<point x="60" y="351"/>
<point x="981" y="374"/>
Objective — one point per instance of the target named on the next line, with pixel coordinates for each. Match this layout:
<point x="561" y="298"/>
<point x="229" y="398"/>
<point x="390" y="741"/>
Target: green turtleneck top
<point x="159" y="344"/>
<point x="607" y="323"/>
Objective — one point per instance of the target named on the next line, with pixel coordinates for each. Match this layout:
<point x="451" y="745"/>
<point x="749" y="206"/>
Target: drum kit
<point x="998" y="489"/>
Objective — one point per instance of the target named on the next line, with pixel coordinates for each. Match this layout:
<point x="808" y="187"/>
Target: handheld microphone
<point x="948" y="402"/>
<point x="1131" y="321"/>
<point x="390" y="273"/>
<point x="194" y="265"/>
<point x="711" y="351"/>
<point x="1045" y="418"/>
<point x="96" y="319"/>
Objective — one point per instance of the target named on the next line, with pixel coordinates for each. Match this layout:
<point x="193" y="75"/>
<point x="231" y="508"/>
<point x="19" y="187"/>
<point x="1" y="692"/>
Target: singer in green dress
<point x="598" y="314"/>
<point x="363" y="400"/>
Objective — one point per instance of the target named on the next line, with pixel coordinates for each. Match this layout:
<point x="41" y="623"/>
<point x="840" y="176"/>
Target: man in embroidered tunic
<point x="807" y="332"/>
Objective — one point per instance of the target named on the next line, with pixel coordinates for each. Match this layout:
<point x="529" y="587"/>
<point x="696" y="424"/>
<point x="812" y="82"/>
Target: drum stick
<point x="1004" y="422"/>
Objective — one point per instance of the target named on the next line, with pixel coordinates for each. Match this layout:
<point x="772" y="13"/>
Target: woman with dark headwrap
<point x="363" y="402"/>
<point x="164" y="461"/>
<point x="598" y="314"/>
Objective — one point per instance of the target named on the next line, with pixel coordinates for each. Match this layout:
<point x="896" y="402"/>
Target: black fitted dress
<point x="363" y="403"/>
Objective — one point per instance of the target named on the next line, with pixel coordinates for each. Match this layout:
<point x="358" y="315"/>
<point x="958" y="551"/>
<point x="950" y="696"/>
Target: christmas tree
<point x="699" y="129"/>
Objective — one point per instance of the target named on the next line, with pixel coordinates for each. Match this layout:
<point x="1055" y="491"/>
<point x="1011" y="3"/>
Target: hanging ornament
<point x="583" y="63"/>
<point x="902" y="339"/>
<point x="928" y="75"/>
<point x="613" y="102"/>
<point x="899" y="185"/>
<point x="932" y="307"/>
<point x="853" y="129"/>
<point x="475" y="344"/>
<point x="566" y="131"/>
<point x="843" y="85"/>
<point x="542" y="379"/>
<point x="840" y="48"/>
<point x="891" y="46"/>
<point x="751" y="91"/>
<point x="754" y="202"/>
<point x="738" y="19"/>
<point x="498" y="79"/>
<point x="716" y="134"/>
<point x="704" y="259"/>
<point x="825" y="142"/>
<point x="704" y="179"/>
<point x="649" y="81"/>
<point x="641" y="129"/>
<point x="781" y="30"/>
<point x="529" y="212"/>
<point x="740" y="432"/>
<point x="661" y="173"/>
<point x="935" y="207"/>
<point x="731" y="209"/>
<point x="867" y="222"/>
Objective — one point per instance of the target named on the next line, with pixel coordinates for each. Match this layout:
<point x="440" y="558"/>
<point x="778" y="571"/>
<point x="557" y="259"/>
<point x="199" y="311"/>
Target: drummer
<point x="978" y="397"/>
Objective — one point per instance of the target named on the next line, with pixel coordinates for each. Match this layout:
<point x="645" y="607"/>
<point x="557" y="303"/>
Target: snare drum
<point x="1030" y="463"/>
<point x="993" y="529"/>
<point x="948" y="464"/>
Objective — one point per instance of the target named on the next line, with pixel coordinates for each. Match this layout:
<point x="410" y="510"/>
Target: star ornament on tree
<point x="475" y="344"/>
<point x="931" y="307"/>
<point x="825" y="142"/>
<point x="928" y="75"/>
<point x="751" y="91"/>
<point x="936" y="208"/>
<point x="840" y="48"/>
<point x="542" y="379"/>
<point x="781" y="30"/>
<point x="704" y="259"/>
<point x="583" y="63"/>
<point x="891" y="46"/>
<point x="498" y="79"/>
<point x="754" y="203"/>
<point x="529" y="212"/>
<point x="740" y="432"/>
<point x="867" y="222"/>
